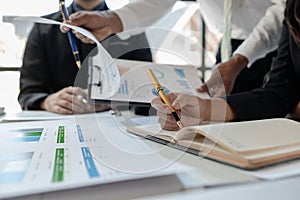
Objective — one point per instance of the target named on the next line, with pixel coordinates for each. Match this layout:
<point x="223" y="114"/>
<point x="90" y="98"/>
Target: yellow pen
<point x="163" y="96"/>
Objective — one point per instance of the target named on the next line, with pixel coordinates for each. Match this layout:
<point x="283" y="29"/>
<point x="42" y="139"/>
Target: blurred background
<point x="181" y="32"/>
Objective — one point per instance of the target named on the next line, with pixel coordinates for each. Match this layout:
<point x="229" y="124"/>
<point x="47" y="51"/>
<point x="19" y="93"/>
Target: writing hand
<point x="191" y="110"/>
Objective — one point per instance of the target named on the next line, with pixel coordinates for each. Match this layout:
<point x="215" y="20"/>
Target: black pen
<point x="71" y="36"/>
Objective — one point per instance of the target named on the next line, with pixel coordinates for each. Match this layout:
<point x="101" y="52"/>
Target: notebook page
<point x="257" y="135"/>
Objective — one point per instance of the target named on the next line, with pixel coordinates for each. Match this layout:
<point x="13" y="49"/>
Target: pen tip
<point x="78" y="64"/>
<point x="179" y="124"/>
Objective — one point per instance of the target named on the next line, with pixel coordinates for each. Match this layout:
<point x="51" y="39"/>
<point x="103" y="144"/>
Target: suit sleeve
<point x="34" y="77"/>
<point x="280" y="92"/>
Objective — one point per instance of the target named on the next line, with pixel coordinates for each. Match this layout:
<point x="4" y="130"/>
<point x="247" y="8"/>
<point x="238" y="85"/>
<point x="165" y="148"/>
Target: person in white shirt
<point x="135" y="15"/>
<point x="256" y="28"/>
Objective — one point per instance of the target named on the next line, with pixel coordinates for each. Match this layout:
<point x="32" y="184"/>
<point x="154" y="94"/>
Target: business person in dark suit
<point x="277" y="97"/>
<point x="49" y="69"/>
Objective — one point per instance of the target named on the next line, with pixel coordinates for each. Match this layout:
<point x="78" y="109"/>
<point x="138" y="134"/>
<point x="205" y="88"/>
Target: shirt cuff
<point x="248" y="50"/>
<point x="129" y="22"/>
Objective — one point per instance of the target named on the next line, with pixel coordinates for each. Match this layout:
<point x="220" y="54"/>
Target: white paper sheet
<point x="43" y="156"/>
<point x="109" y="72"/>
<point x="138" y="155"/>
<point x="145" y="120"/>
<point x="136" y="86"/>
<point x="36" y="115"/>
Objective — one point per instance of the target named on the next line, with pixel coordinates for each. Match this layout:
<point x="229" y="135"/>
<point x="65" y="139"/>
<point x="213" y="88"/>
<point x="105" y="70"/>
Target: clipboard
<point x="135" y="88"/>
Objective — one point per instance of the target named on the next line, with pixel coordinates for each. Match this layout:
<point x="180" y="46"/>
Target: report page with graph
<point x="45" y="156"/>
<point x="134" y="85"/>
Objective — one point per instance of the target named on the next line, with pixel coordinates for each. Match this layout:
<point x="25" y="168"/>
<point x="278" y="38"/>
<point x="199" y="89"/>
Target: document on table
<point x="145" y="120"/>
<point x="36" y="115"/>
<point x="43" y="156"/>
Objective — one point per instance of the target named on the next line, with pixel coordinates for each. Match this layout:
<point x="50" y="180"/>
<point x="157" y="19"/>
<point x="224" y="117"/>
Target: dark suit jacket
<point x="281" y="90"/>
<point x="48" y="62"/>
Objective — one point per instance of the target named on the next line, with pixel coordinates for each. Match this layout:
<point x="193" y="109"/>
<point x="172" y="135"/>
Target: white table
<point x="274" y="190"/>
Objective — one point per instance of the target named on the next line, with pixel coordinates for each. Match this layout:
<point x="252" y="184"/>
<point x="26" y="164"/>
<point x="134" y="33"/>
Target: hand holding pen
<point x="71" y="36"/>
<point x="163" y="97"/>
<point x="191" y="109"/>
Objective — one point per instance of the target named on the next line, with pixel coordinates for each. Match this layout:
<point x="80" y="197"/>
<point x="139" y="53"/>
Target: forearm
<point x="238" y="63"/>
<point x="218" y="110"/>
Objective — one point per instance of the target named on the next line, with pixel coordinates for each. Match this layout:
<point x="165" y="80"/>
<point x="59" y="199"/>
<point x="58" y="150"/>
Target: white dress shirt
<point x="140" y="14"/>
<point x="258" y="22"/>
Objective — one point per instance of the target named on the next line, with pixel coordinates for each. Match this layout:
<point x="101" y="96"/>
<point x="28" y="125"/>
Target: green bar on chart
<point x="61" y="134"/>
<point x="58" y="173"/>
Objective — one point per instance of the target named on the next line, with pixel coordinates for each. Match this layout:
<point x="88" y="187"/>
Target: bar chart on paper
<point x="123" y="90"/>
<point x="21" y="135"/>
<point x="45" y="156"/>
<point x="135" y="85"/>
<point x="51" y="155"/>
<point x="26" y="135"/>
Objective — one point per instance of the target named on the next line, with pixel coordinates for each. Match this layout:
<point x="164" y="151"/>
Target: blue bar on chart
<point x="124" y="88"/>
<point x="79" y="132"/>
<point x="180" y="72"/>
<point x="14" y="167"/>
<point x="27" y="135"/>
<point x="184" y="83"/>
<point x="89" y="162"/>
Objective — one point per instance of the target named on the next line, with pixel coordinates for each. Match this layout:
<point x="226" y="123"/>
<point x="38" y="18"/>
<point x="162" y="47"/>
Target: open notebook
<point x="247" y="145"/>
